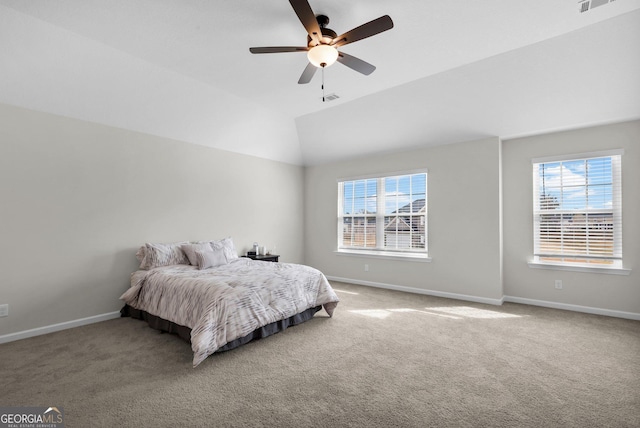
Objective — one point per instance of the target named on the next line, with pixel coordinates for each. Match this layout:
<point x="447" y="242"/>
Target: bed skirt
<point x="185" y="332"/>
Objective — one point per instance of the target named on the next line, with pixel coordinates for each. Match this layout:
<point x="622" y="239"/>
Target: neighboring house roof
<point x="418" y="206"/>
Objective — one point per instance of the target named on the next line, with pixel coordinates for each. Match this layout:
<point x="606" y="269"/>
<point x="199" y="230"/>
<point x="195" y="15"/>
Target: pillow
<point x="141" y="253"/>
<point x="226" y="245"/>
<point x="163" y="255"/>
<point x="190" y="250"/>
<point x="210" y="258"/>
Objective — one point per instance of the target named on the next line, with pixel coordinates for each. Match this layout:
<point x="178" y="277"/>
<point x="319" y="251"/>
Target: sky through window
<point x="577" y="185"/>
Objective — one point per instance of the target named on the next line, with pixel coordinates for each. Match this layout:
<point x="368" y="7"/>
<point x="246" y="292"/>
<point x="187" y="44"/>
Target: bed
<point x="209" y="296"/>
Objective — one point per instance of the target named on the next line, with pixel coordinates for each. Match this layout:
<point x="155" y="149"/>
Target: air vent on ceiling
<point x="331" y="97"/>
<point x="585" y="5"/>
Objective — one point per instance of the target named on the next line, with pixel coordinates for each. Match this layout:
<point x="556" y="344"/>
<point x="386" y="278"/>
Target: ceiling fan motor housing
<point x="327" y="33"/>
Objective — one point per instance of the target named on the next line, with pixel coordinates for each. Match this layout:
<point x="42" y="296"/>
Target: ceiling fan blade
<point x="369" y="29"/>
<point x="356" y="64"/>
<point x="308" y="18"/>
<point x="276" y="49"/>
<point x="307" y="74"/>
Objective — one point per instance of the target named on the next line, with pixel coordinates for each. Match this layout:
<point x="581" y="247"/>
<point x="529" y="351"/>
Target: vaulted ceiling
<point x="448" y="71"/>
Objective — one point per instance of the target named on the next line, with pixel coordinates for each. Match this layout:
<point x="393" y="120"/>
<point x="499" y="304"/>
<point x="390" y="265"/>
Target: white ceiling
<point x="448" y="71"/>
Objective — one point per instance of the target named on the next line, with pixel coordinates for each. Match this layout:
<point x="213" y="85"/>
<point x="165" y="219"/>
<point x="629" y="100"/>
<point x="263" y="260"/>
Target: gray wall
<point x="591" y="290"/>
<point x="463" y="186"/>
<point x="78" y="199"/>
<point x="473" y="221"/>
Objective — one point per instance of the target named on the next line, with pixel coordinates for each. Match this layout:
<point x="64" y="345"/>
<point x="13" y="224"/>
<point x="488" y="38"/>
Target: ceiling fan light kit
<point x="322" y="55"/>
<point x="323" y="43"/>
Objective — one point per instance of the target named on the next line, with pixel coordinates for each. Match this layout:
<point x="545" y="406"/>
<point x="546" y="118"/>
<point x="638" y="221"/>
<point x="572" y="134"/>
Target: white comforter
<point x="228" y="302"/>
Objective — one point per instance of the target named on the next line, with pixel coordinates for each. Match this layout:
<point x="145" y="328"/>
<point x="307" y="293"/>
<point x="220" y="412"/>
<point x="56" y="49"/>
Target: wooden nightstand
<point x="268" y="258"/>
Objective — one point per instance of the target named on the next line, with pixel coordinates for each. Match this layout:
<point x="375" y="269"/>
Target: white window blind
<point x="578" y="210"/>
<point x="359" y="208"/>
<point x="383" y="213"/>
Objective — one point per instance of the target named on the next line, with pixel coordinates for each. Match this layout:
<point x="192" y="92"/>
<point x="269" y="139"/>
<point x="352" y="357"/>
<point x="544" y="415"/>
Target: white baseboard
<point x="447" y="295"/>
<point x="58" y="327"/>
<point x="574" y="308"/>
<point x="497" y="302"/>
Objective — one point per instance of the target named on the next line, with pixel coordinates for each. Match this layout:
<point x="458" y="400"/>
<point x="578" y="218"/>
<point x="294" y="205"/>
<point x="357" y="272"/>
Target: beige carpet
<point x="386" y="359"/>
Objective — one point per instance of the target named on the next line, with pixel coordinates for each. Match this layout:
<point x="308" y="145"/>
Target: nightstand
<point x="268" y="258"/>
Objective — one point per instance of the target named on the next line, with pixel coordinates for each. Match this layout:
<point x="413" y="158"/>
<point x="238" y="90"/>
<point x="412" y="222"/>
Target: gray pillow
<point x="163" y="255"/>
<point x="190" y="251"/>
<point x="210" y="258"/>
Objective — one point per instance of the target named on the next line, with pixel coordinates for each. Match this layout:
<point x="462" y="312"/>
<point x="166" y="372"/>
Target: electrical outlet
<point x="366" y="268"/>
<point x="558" y="284"/>
<point x="4" y="310"/>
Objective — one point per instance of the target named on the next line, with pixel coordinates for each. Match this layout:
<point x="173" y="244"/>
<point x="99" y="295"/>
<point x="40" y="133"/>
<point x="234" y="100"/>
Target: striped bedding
<point x="230" y="301"/>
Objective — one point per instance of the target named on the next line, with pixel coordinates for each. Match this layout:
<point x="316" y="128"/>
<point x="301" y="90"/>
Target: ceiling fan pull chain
<point x="322" y="84"/>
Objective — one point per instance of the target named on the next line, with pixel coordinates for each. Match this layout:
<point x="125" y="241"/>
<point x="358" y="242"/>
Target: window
<point x="384" y="214"/>
<point x="577" y="214"/>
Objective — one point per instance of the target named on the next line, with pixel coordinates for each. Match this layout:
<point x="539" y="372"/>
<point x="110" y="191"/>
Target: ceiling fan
<point x="323" y="43"/>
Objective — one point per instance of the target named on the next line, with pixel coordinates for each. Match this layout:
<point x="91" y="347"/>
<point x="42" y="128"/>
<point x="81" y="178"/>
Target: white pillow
<point x="210" y="258"/>
<point x="227" y="246"/>
<point x="190" y="251"/>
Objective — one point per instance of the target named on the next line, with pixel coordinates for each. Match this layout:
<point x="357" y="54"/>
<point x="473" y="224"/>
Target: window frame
<point x="560" y="260"/>
<point x="420" y="254"/>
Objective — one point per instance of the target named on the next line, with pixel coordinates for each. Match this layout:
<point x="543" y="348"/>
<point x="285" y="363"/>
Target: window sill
<point x="413" y="257"/>
<point x="590" y="269"/>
